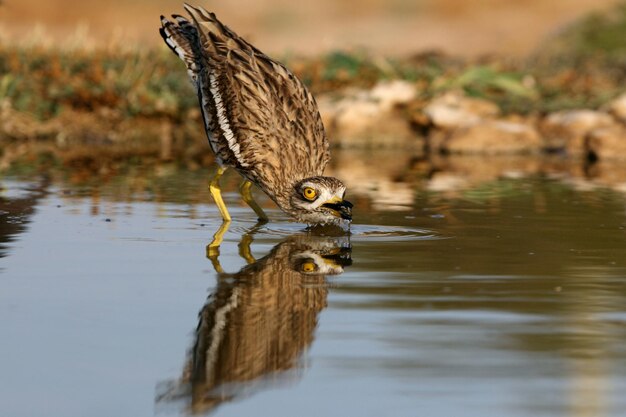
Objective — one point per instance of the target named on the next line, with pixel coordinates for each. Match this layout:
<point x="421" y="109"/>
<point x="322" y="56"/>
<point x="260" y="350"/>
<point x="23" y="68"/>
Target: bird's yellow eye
<point x="309" y="193"/>
<point x="308" y="267"/>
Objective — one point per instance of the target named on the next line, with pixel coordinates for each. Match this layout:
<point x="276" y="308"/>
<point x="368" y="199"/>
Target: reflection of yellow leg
<point x="244" y="189"/>
<point x="214" y="187"/>
<point x="244" y="248"/>
<point x="246" y="241"/>
<point x="213" y="248"/>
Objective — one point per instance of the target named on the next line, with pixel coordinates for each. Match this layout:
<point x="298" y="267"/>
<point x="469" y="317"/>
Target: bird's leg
<point x="244" y="189"/>
<point x="213" y="248"/>
<point x="216" y="193"/>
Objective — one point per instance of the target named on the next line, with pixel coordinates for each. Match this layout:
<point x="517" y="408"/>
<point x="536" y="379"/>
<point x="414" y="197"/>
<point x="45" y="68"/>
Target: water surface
<point x="499" y="297"/>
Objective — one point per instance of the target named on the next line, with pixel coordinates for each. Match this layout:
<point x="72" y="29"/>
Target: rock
<point x="355" y="119"/>
<point x="494" y="137"/>
<point x="453" y="110"/>
<point x="617" y="108"/>
<point x="365" y="125"/>
<point x="566" y="130"/>
<point x="384" y="189"/>
<point x="390" y="94"/>
<point x="370" y="118"/>
<point x="607" y="143"/>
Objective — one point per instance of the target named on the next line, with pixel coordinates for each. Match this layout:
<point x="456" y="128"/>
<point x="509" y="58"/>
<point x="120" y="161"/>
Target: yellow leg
<point x="244" y="189"/>
<point x="214" y="187"/>
<point x="213" y="248"/>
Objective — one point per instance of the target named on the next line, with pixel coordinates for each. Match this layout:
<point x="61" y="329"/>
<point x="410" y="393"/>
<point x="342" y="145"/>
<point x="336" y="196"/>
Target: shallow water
<point x="497" y="298"/>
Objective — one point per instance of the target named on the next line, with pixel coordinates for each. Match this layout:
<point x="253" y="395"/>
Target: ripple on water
<point x="276" y="230"/>
<point x="357" y="232"/>
<point x="392" y="233"/>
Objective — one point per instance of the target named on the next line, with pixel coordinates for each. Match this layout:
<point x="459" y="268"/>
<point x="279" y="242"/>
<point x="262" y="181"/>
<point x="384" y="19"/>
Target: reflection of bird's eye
<point x="308" y="267"/>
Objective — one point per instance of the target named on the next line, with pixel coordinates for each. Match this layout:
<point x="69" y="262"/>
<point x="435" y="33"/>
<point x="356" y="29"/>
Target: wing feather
<point x="260" y="118"/>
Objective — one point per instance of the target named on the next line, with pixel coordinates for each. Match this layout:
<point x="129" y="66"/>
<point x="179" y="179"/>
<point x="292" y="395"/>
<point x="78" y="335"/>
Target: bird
<point x="259" y="322"/>
<point x="260" y="120"/>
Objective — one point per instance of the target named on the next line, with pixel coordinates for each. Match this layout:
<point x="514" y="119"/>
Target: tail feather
<point x="182" y="39"/>
<point x="216" y="38"/>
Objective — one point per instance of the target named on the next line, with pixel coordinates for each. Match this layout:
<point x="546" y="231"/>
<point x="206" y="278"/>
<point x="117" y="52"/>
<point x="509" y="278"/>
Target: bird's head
<point x="319" y="200"/>
<point x="328" y="261"/>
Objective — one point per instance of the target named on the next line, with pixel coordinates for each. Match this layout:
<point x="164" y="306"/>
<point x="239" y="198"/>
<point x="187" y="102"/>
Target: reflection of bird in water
<point x="16" y="210"/>
<point x="260" y="120"/>
<point x="258" y="322"/>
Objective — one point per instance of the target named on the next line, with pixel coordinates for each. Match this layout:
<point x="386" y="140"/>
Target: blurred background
<point x="396" y="27"/>
<point x="90" y="85"/>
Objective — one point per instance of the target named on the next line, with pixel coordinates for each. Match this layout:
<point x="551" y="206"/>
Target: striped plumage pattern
<point x="259" y="321"/>
<point x="260" y="119"/>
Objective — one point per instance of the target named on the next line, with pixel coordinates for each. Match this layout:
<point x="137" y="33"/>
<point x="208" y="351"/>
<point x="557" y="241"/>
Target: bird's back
<point x="259" y="117"/>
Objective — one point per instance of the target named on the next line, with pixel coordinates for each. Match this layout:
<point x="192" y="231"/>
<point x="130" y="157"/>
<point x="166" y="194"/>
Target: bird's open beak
<point x="341" y="208"/>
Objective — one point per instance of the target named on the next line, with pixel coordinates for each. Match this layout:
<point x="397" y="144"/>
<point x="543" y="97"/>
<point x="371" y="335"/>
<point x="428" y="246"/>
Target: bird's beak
<point x="341" y="208"/>
<point x="339" y="257"/>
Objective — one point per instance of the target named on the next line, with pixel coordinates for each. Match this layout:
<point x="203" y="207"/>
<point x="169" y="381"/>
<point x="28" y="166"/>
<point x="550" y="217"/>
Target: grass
<point x="109" y="95"/>
<point x="45" y="82"/>
<point x="153" y="84"/>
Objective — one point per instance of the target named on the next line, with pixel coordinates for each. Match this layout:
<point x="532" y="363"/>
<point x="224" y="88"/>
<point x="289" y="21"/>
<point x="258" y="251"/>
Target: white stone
<point x="494" y="137"/>
<point x="607" y="143"/>
<point x="454" y="110"/>
<point x="567" y="129"/>
<point x="617" y="107"/>
<point x="368" y="118"/>
<point x="390" y="94"/>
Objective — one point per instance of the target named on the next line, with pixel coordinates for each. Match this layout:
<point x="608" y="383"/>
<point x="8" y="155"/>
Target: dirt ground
<point x="390" y="27"/>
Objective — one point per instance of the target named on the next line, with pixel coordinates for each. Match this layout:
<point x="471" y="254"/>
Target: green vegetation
<point x="598" y="35"/>
<point x="108" y="96"/>
<point x="154" y="84"/>
<point x="45" y="82"/>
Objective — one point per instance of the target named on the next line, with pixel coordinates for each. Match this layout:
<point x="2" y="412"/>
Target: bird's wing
<point x="257" y="113"/>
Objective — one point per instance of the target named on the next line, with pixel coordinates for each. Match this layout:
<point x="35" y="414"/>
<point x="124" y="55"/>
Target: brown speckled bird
<point x="258" y="323"/>
<point x="260" y="120"/>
